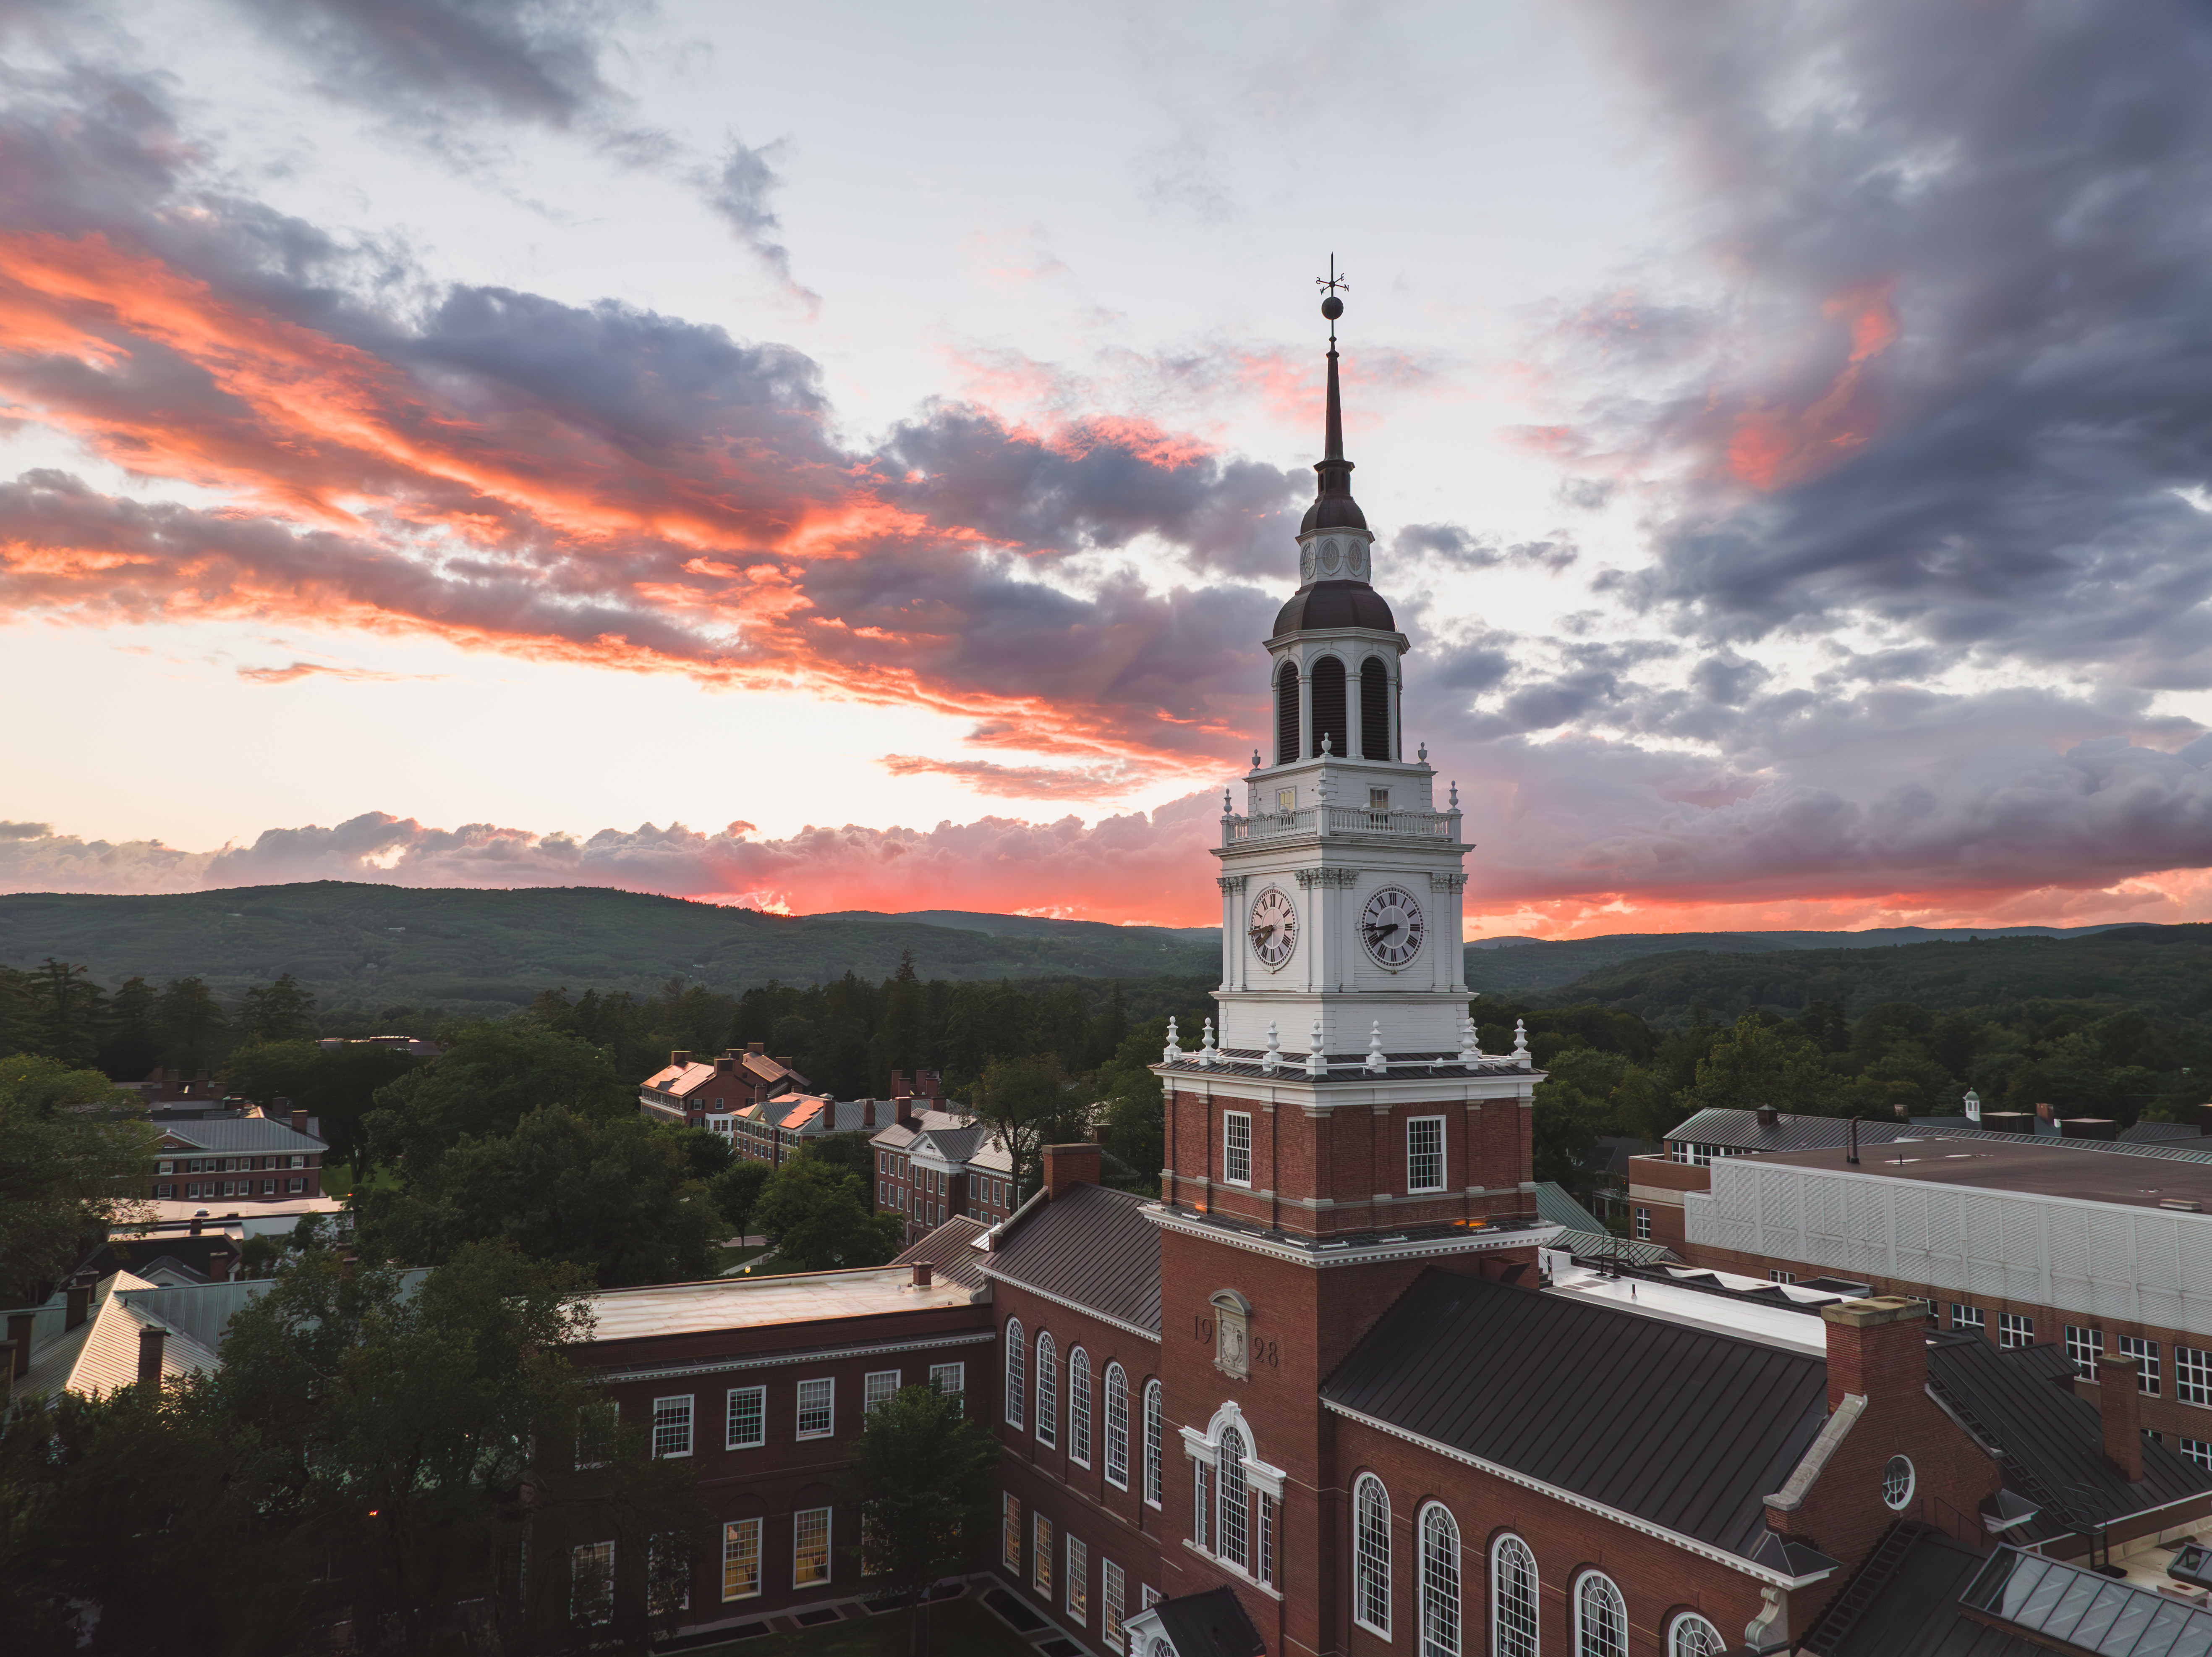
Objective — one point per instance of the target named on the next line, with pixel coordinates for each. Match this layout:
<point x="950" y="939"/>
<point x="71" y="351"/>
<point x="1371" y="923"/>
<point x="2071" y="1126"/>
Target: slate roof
<point x="1739" y="1130"/>
<point x="1090" y="1247"/>
<point x="950" y="1250"/>
<point x="255" y="1135"/>
<point x="1697" y="1427"/>
<point x="2053" y="1440"/>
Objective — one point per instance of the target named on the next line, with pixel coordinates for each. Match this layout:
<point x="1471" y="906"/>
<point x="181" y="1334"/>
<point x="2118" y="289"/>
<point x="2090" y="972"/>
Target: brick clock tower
<point x="1343" y="1132"/>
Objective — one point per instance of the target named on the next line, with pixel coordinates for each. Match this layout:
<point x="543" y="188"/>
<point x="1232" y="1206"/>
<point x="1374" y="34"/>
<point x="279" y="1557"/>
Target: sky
<point x="848" y="457"/>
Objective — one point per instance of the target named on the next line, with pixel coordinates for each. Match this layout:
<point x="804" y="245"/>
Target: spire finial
<point x="1332" y="507"/>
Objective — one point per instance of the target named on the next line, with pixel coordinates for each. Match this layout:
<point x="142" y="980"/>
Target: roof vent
<point x="1768" y="1116"/>
<point x="2181" y="1205"/>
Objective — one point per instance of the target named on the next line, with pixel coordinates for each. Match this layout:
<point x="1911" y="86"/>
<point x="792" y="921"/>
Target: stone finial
<point x="1256" y="759"/>
<point x="1425" y="753"/>
<point x="1455" y="796"/>
<point x="1521" y="1045"/>
<point x="1272" y="1060"/>
<point x="1328" y="746"/>
<point x="1377" y="1063"/>
<point x="1206" y="1054"/>
<point x="1316" y="1065"/>
<point x="1171" y="1053"/>
<point x="1470" y="1045"/>
<point x="1228" y="803"/>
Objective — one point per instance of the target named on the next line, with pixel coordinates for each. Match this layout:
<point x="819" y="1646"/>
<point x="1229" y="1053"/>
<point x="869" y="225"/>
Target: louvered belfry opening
<point x="1328" y="707"/>
<point x="1286" y="715"/>
<point x="1374" y="709"/>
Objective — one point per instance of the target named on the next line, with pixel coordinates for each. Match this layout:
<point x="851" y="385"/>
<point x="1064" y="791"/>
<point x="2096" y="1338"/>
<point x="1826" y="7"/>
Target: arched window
<point x="1048" y="1389"/>
<point x="1152" y="1442"/>
<point x="1600" y="1617"/>
<point x="1117" y="1425"/>
<point x="1017" y="1383"/>
<point x="1328" y="705"/>
<point x="1374" y="709"/>
<point x="1078" y="1407"/>
<point x="1512" y="1598"/>
<point x="1370" y="1554"/>
<point x="1232" y="1500"/>
<point x="1693" y="1636"/>
<point x="1286" y="715"/>
<point x="1440" y="1582"/>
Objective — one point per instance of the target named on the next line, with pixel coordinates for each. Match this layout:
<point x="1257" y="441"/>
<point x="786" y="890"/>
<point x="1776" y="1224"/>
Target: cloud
<point x="25" y="831"/>
<point x="739" y="190"/>
<point x="296" y="671"/>
<point x="1109" y="781"/>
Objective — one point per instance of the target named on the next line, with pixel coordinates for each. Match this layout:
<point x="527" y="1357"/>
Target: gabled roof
<point x="255" y="1135"/>
<point x="1682" y="1427"/>
<point x="1210" y="1624"/>
<point x="949" y="1249"/>
<point x="101" y="1352"/>
<point x="680" y="1079"/>
<point x="1091" y="1248"/>
<point x="896" y="1135"/>
<point x="2051" y="1440"/>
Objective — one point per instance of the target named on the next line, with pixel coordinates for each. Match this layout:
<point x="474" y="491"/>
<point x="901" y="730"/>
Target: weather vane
<point x="1331" y="306"/>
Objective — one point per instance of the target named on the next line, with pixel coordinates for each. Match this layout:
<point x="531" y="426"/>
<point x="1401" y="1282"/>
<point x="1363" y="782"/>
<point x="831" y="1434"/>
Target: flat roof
<point x="2036" y="1169"/>
<point x="1720" y="1314"/>
<point x="799" y="1297"/>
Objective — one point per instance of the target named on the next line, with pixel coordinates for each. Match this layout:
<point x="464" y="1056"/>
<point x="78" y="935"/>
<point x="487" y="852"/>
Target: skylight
<point x="2086" y="1610"/>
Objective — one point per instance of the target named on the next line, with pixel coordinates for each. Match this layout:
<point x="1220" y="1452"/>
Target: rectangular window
<point x="592" y="1582"/>
<point x="1263" y="1566"/>
<point x="671" y="1426"/>
<point x="1009" y="1529"/>
<point x="1781" y="1277"/>
<point x="745" y="1423"/>
<point x="165" y="1192"/>
<point x="2192" y="1375"/>
<point x="2196" y="1450"/>
<point x="1424" y="1153"/>
<point x="741" y="1560"/>
<point x="1040" y="1556"/>
<point x="1286" y="798"/>
<point x="878" y="1388"/>
<point x="1078" y="1580"/>
<point x="1112" y="1590"/>
<point x="2085" y="1344"/>
<point x="817" y="1411"/>
<point x="299" y="1183"/>
<point x="1967" y="1317"/>
<point x="1236" y="1147"/>
<point x="165" y="1167"/>
<point x="809" y="1547"/>
<point x="951" y="1379"/>
<point x="2145" y="1353"/>
<point x="1642" y="1225"/>
<point x="2014" y="1329"/>
<point x="1378" y="799"/>
<point x="1201" y="1506"/>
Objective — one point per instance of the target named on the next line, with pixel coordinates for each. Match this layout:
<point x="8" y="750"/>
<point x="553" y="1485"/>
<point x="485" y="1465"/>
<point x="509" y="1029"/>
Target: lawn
<point x="960" y="1628"/>
<point x="337" y="1180"/>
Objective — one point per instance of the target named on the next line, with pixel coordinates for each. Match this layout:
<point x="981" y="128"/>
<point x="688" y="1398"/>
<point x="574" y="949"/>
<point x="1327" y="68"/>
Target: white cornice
<point x="1687" y="1543"/>
<point x="1471" y="1242"/>
<point x="1408" y="1087"/>
<point x="816" y="1354"/>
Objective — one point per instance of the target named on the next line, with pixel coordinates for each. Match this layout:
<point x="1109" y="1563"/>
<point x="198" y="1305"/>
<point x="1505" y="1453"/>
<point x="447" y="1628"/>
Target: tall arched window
<point x="1600" y="1617"/>
<point x="1328" y="705"/>
<point x="1440" y="1582"/>
<point x="1232" y="1500"/>
<point x="1048" y="1389"/>
<point x="1017" y="1362"/>
<point x="1117" y="1425"/>
<point x="1152" y="1442"/>
<point x="1374" y="709"/>
<point x="1287" y="713"/>
<point x="1512" y="1598"/>
<point x="1693" y="1636"/>
<point x="1078" y="1407"/>
<point x="1370" y="1554"/>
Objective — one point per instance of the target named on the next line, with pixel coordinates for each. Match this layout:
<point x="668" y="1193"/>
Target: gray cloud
<point x="739" y="190"/>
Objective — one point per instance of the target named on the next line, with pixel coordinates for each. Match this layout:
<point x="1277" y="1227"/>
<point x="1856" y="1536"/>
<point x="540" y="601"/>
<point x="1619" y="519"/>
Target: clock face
<point x="1274" y="926"/>
<point x="1392" y="927"/>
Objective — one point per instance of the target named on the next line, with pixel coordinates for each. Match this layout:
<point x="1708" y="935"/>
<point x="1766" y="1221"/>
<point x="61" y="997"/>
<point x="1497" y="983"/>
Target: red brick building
<point x="687" y="1093"/>
<point x="248" y="1158"/>
<point x="935" y="1165"/>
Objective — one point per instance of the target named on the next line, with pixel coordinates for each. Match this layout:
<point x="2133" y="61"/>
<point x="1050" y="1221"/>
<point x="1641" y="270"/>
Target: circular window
<point x="1897" y="1483"/>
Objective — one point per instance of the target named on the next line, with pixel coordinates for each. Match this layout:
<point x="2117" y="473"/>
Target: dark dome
<point x="1334" y="604"/>
<point x="1334" y="512"/>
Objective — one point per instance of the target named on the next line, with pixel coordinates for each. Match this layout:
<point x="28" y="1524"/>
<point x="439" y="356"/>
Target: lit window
<point x="1236" y="1147"/>
<point x="1117" y="1427"/>
<point x="1512" y="1598"/>
<point x="741" y="1559"/>
<point x="817" y="1411"/>
<point x="1439" y="1582"/>
<point x="1009" y="1529"/>
<point x="878" y="1388"/>
<point x="1424" y="1154"/>
<point x="1048" y="1388"/>
<point x="671" y="1426"/>
<point x="1040" y="1556"/>
<point x="1601" y="1618"/>
<point x="1113" y="1589"/>
<point x="1896" y="1482"/>
<point x="592" y="1583"/>
<point x="1078" y="1580"/>
<point x="1371" y="1555"/>
<point x="747" y="1418"/>
<point x="809" y="1547"/>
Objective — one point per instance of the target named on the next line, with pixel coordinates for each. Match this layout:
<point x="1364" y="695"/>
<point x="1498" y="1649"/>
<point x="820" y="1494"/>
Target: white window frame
<point x="2192" y="1374"/>
<point x="2196" y="1450"/>
<point x="825" y="1400"/>
<point x="1017" y="1386"/>
<point x="734" y="1533"/>
<point x="669" y="1415"/>
<point x="877" y="1387"/>
<point x="1155" y="1456"/>
<point x="596" y="1559"/>
<point x="1600" y="1641"/>
<point x="1236" y="1148"/>
<point x="1077" y="1594"/>
<point x="2014" y="1330"/>
<point x="2085" y="1344"/>
<point x="1522" y="1636"/>
<point x="1041" y="1554"/>
<point x="1440" y="1151"/>
<point x="1113" y="1596"/>
<point x="1046" y="1425"/>
<point x="956" y="1374"/>
<point x="1117" y="1425"/>
<point x="1370" y="1553"/>
<point x="799" y="1521"/>
<point x="1009" y="1533"/>
<point x="1443" y="1608"/>
<point x="2145" y="1353"/>
<point x="1078" y="1407"/>
<point x="1643" y="1223"/>
<point x="1693" y="1635"/>
<point x="1232" y="1502"/>
<point x="758" y="1395"/>
<point x="1969" y="1318"/>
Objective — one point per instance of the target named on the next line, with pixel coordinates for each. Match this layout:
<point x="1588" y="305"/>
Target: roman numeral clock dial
<point x="1274" y="926"/>
<point x="1392" y="927"/>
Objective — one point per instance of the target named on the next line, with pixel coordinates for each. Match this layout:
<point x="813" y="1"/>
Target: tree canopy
<point x="73" y="1161"/>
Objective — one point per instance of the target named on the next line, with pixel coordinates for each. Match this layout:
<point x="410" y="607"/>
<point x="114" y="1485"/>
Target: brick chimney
<point x="724" y="1065"/>
<point x="2119" y="1401"/>
<point x="784" y="1060"/>
<point x="219" y="1261"/>
<point x="680" y="1058"/>
<point x="149" y="1357"/>
<point x="902" y="1104"/>
<point x="1877" y="1349"/>
<point x="923" y="1269"/>
<point x="299" y="1121"/>
<point x="867" y="1112"/>
<point x="77" y="1303"/>
<point x="928" y="1084"/>
<point x="19" y="1335"/>
<point x="197" y="1218"/>
<point x="1768" y="1116"/>
<point x="759" y="1049"/>
<point x="1068" y="1166"/>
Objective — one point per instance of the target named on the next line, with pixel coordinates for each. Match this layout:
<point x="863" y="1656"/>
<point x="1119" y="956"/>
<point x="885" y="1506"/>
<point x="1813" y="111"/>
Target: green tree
<point x="1573" y="1105"/>
<point x="488" y="1077"/>
<point x="68" y="1010"/>
<point x="130" y="1048"/>
<point x="925" y="1478"/>
<point x="1026" y="1102"/>
<point x="616" y="1197"/>
<point x="1759" y="1061"/>
<point x="337" y="1085"/>
<point x="1131" y="1103"/>
<point x="192" y="1026"/>
<point x="736" y="1191"/>
<point x="282" y="1011"/>
<point x="73" y="1160"/>
<point x="818" y="1219"/>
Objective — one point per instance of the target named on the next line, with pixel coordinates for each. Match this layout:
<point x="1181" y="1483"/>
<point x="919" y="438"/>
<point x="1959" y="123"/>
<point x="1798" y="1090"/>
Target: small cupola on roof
<point x="1335" y="547"/>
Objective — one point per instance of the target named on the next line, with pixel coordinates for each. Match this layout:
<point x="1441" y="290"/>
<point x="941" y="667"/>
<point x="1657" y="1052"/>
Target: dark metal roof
<point x="1334" y="604"/>
<point x="1699" y="1427"/>
<point x="1904" y="1601"/>
<point x="2052" y="1441"/>
<point x="1557" y="1205"/>
<point x="1740" y="1132"/>
<point x="1089" y="1246"/>
<point x="1209" y="1624"/>
<point x="2163" y="1133"/>
<point x="950" y="1250"/>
